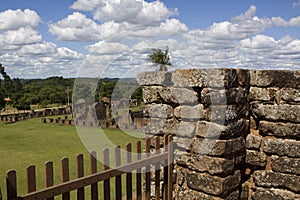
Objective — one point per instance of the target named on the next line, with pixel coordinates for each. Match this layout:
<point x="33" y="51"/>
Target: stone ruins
<point x="236" y="132"/>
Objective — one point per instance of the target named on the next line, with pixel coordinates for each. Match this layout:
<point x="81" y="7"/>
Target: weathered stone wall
<point x="236" y="132"/>
<point x="273" y="145"/>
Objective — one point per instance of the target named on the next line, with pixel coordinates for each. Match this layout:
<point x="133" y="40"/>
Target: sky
<point x="112" y="38"/>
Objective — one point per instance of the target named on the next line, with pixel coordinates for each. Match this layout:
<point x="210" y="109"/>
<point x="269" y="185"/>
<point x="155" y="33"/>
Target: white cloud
<point x="42" y="48"/>
<point x="250" y="13"/>
<point x="278" y="21"/>
<point x="259" y="42"/>
<point x="107" y="48"/>
<point x="15" y="19"/>
<point x="68" y="54"/>
<point x="87" y="5"/>
<point x="131" y="11"/>
<point x="123" y="39"/>
<point x="114" y="10"/>
<point x="14" y="39"/>
<point x="75" y="27"/>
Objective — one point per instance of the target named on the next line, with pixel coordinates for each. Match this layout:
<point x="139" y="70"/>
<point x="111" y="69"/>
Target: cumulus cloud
<point x="14" y="39"/>
<point x="25" y="54"/>
<point x="103" y="47"/>
<point x="15" y="19"/>
<point x="42" y="48"/>
<point x="136" y="12"/>
<point x="87" y="5"/>
<point x="123" y="39"/>
<point x="75" y="27"/>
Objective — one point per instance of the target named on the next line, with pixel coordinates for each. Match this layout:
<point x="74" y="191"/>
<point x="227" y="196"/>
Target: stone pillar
<point x="207" y="112"/>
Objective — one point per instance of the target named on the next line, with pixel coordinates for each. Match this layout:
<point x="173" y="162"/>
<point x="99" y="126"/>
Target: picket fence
<point x="142" y="165"/>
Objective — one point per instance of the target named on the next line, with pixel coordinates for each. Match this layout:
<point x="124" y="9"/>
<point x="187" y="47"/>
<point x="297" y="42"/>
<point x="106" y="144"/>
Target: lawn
<point x="32" y="142"/>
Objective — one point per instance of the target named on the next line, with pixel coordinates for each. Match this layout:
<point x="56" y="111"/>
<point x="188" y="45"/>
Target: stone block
<point x="253" y="141"/>
<point x="272" y="194"/>
<point x="282" y="147"/>
<point x="262" y="94"/>
<point x="170" y="95"/>
<point x="213" y="78"/>
<point x="156" y="126"/>
<point x="151" y="94"/>
<point x="184" y="129"/>
<point x="182" y="144"/>
<point x="185" y="194"/>
<point x="277" y="180"/>
<point x="282" y="112"/>
<point x="223" y="114"/>
<point x="289" y="95"/>
<point x="181" y="96"/>
<point x="256" y="158"/>
<point x="285" y="165"/>
<point x="212" y="165"/>
<point x="224" y="148"/>
<point x="190" y="112"/>
<point x="163" y="111"/>
<point x="154" y="78"/>
<point x="213" y="130"/>
<point x="189" y="194"/>
<point x="280" y="129"/>
<point x="213" y="184"/>
<point x="223" y="97"/>
<point x="275" y="78"/>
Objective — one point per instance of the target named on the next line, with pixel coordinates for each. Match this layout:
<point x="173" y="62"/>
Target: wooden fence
<point x="141" y="165"/>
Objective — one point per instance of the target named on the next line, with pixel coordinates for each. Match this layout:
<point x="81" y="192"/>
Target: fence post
<point x="106" y="184"/>
<point x="157" y="169"/>
<point x="11" y="184"/>
<point x="118" y="183"/>
<point x="138" y="172"/>
<point x="170" y="167"/>
<point x="94" y="187"/>
<point x="165" y="183"/>
<point x="80" y="173"/>
<point x="49" y="176"/>
<point x="65" y="176"/>
<point x="148" y="173"/>
<point x="129" y="174"/>
<point x="31" y="178"/>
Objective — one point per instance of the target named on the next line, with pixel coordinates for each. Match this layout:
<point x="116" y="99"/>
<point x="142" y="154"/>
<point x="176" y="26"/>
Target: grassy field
<point x="31" y="142"/>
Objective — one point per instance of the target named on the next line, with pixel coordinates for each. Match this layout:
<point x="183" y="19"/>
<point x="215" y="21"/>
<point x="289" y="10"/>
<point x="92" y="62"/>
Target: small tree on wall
<point x="160" y="58"/>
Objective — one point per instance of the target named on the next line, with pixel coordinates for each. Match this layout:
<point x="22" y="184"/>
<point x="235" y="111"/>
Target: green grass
<point x="32" y="142"/>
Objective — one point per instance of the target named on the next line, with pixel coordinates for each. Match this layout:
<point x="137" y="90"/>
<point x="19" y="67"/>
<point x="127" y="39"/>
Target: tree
<point x="160" y="58"/>
<point x="2" y="96"/>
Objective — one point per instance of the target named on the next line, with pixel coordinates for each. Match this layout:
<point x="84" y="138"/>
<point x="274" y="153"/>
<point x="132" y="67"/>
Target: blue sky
<point x="73" y="38"/>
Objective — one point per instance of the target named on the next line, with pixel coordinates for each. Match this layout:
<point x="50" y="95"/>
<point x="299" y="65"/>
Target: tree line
<point x="22" y="93"/>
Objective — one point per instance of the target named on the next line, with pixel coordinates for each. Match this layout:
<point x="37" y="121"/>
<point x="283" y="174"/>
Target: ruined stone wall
<point x="236" y="132"/>
<point x="273" y="145"/>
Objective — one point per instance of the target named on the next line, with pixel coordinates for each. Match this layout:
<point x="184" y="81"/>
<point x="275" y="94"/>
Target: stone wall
<point x="273" y="145"/>
<point x="236" y="132"/>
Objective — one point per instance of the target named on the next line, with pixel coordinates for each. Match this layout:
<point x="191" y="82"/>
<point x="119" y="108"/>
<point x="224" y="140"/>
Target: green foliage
<point x="2" y="96"/>
<point x="118" y="89"/>
<point x="53" y="90"/>
<point x="160" y="58"/>
<point x="59" y="90"/>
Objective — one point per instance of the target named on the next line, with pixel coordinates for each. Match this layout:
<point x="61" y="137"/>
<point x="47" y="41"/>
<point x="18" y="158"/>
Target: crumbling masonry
<point x="236" y="132"/>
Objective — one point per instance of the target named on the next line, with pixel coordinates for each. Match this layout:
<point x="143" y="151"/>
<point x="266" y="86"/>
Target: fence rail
<point x="79" y="184"/>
